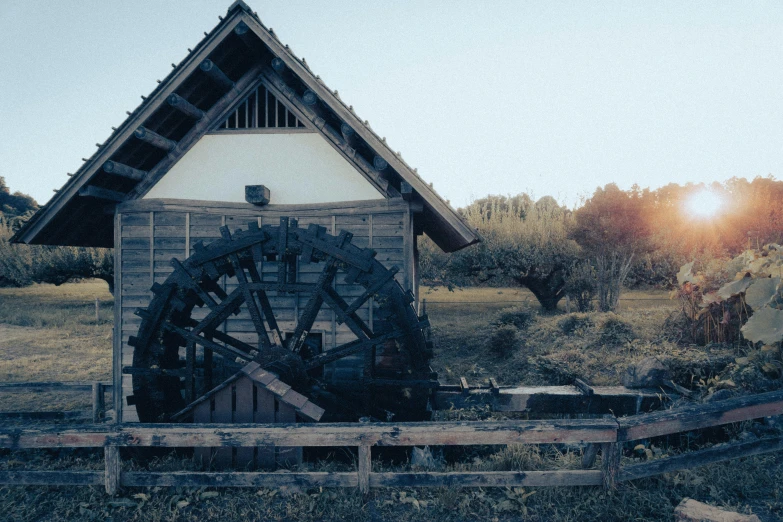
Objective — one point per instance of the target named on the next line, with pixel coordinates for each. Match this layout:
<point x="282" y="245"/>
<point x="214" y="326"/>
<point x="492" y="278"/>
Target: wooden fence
<point x="608" y="433"/>
<point x="98" y="390"/>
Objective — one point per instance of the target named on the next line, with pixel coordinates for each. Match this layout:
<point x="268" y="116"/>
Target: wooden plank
<point x="364" y="468"/>
<point x="287" y="456"/>
<point x="265" y="413"/>
<point x="54" y="478"/>
<point x="239" y="479"/>
<point x="551" y="399"/>
<point x="700" y="416"/>
<point x="387" y="211"/>
<point x="202" y="413"/>
<point x="487" y="479"/>
<point x="45" y="415"/>
<point x="693" y="459"/>
<point x="223" y="414"/>
<point x="245" y="457"/>
<point x="113" y="469"/>
<point x="98" y="403"/>
<point x="610" y="463"/>
<point x="134" y="219"/>
<point x="170" y="219"/>
<point x="339" y="434"/>
<point x="52" y="386"/>
<point x="119" y="297"/>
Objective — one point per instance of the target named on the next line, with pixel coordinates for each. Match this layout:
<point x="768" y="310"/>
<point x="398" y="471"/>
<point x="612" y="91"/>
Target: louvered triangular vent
<point x="261" y="110"/>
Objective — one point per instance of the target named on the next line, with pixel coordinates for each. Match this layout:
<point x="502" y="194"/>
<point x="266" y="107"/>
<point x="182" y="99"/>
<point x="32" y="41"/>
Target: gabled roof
<point x="269" y="382"/>
<point x="195" y="98"/>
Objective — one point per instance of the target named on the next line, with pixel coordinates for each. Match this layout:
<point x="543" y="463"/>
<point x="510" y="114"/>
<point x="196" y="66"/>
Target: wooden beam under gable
<point x="126" y="130"/>
<point x="212" y="118"/>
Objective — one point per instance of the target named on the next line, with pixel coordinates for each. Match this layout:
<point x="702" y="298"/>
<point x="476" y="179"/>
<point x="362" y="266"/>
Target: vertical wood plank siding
<point x="149" y="233"/>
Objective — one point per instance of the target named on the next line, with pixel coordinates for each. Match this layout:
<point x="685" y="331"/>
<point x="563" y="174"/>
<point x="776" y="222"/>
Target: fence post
<point x="111" y="455"/>
<point x="610" y="463"/>
<point x="97" y="308"/>
<point x="98" y="402"/>
<point x="365" y="465"/>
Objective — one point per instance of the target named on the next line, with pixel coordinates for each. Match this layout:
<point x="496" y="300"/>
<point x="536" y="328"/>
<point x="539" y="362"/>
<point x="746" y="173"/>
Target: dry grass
<point x="66" y="337"/>
<point x="49" y="333"/>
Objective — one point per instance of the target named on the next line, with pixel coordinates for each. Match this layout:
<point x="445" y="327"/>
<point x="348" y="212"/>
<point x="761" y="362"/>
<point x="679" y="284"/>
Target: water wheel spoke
<point x="338" y="304"/>
<point x="185" y="278"/>
<point x="372" y="289"/>
<point x="313" y="306"/>
<point x="311" y="309"/>
<point x="229" y="352"/>
<point x="250" y="302"/>
<point x="266" y="306"/>
<point x="236" y="343"/>
<point x="220" y="313"/>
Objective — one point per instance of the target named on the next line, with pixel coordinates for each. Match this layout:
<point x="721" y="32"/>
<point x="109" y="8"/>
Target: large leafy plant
<point x="753" y="296"/>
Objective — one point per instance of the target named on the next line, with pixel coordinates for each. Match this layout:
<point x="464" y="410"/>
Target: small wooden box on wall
<point x="252" y="395"/>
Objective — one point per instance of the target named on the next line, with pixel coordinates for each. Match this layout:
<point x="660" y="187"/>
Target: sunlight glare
<point x="704" y="204"/>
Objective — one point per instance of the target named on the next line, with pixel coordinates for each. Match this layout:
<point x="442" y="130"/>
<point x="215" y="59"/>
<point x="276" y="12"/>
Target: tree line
<point x="615" y="238"/>
<point x="22" y="265"/>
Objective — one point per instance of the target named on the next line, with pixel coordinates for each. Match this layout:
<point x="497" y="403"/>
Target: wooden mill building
<point x="241" y="110"/>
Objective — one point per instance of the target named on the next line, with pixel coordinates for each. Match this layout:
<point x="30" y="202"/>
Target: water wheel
<point x="184" y="347"/>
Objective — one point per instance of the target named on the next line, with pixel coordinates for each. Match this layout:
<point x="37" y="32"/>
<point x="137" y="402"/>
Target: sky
<point x="483" y="97"/>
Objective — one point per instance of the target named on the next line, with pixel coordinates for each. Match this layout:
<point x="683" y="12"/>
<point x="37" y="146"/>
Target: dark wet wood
<point x="697" y="416"/>
<point x="694" y="459"/>
<point x="487" y="479"/>
<point x="240" y="479"/>
<point x="345" y="434"/>
<point x="53" y="478"/>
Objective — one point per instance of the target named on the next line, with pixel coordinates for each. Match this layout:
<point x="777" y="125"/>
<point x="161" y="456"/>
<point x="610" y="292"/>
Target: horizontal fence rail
<point x="97" y="388"/>
<point x="609" y="434"/>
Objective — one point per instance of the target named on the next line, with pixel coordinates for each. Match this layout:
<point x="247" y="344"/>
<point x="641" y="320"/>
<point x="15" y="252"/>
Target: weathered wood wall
<point x="149" y="233"/>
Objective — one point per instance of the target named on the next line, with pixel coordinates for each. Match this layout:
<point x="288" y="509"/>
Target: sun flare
<point x="704" y="204"/>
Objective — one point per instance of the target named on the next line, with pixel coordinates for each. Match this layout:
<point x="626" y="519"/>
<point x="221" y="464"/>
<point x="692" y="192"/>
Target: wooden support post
<point x="610" y="463"/>
<point x="113" y="469"/>
<point x="216" y="75"/>
<point x="588" y="456"/>
<point x="365" y="467"/>
<point x="97" y="310"/>
<point x="118" y="169"/>
<point x="184" y="106"/>
<point x="154" y="139"/>
<point x="98" y="403"/>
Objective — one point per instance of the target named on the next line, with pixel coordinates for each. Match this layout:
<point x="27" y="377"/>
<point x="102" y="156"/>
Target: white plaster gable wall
<point x="296" y="167"/>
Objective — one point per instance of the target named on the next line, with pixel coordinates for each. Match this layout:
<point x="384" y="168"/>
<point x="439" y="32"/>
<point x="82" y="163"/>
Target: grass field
<point x="50" y="333"/>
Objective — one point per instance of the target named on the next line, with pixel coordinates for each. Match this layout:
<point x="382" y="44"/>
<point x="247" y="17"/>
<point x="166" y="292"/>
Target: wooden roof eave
<point x="461" y="234"/>
<point x="29" y="231"/>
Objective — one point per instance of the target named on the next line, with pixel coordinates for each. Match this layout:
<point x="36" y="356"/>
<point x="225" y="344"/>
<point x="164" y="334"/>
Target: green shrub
<point x="575" y="323"/>
<point x="504" y="340"/>
<point x="615" y="330"/>
<point x="518" y="317"/>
